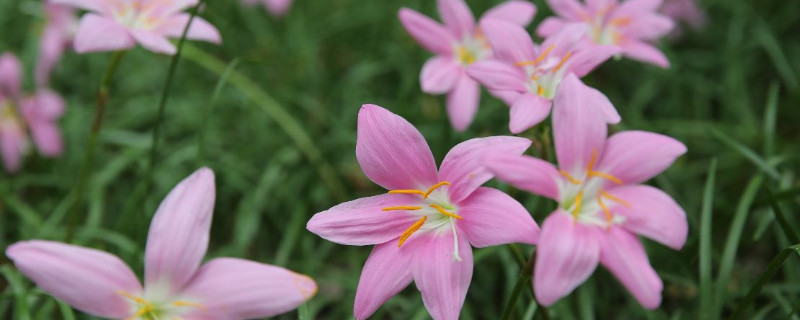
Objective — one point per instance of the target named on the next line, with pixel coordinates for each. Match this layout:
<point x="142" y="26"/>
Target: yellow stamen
<point x="435" y="186"/>
<point x="538" y="59"/>
<point x="577" y="209"/>
<point x="540" y="90"/>
<point x="563" y="60"/>
<point x="445" y="212"/>
<point x="605" y="209"/>
<point x="605" y="176"/>
<point x="132" y="297"/>
<point x="410" y="191"/>
<point x="401" y="208"/>
<point x="189" y="304"/>
<point x="465" y="56"/>
<point x="615" y="199"/>
<point x="621" y="21"/>
<point x="414" y="227"/>
<point x="590" y="166"/>
<point x="144" y="310"/>
<point x="569" y="177"/>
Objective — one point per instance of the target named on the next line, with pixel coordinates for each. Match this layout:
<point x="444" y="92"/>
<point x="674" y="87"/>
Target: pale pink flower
<point x="686" y="11"/>
<point x="602" y="203"/>
<point x="630" y="24"/>
<point x="20" y="114"/>
<point x="458" y="44"/>
<point x="527" y="76"/>
<point x="118" y="25"/>
<point x="57" y="36"/>
<point x="175" y="284"/>
<point x="276" y="7"/>
<point x="424" y="227"/>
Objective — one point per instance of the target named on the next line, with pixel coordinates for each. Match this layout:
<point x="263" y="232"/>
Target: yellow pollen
<point x="409" y="191"/>
<point x="465" y="56"/>
<point x="445" y="212"/>
<point x="605" y="176"/>
<point x="401" y="208"/>
<point x="413" y="228"/>
<point x="605" y="209"/>
<point x="538" y="59"/>
<point x="577" y="209"/>
<point x="540" y="90"/>
<point x="615" y="199"/>
<point x="569" y="177"/>
<point x="563" y="60"/>
<point x="435" y="186"/>
<point x="189" y="304"/>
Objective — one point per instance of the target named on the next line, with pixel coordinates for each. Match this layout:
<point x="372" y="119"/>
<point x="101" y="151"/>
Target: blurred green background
<point x="280" y="136"/>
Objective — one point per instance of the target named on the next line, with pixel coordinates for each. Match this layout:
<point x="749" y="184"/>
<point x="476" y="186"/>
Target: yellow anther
<point x="569" y="177"/>
<point x="605" y="208"/>
<point x="189" y="304"/>
<point x="605" y="176"/>
<point x="435" y="186"/>
<point x="445" y="212"/>
<point x="577" y="208"/>
<point x="614" y="198"/>
<point x="132" y="297"/>
<point x="540" y="90"/>
<point x="538" y="59"/>
<point x="413" y="228"/>
<point x="409" y="191"/>
<point x="590" y="166"/>
<point x="563" y="61"/>
<point x="401" y="208"/>
<point x="465" y="56"/>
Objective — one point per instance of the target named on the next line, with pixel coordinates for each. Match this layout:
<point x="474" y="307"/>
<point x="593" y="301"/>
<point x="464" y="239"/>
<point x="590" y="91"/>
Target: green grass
<point x="280" y="135"/>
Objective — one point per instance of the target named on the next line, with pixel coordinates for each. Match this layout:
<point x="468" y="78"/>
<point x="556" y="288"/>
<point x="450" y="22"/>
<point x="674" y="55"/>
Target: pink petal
<point x="99" y="6"/>
<point x="491" y="217"/>
<point x="649" y="27"/>
<point x="550" y="26"/>
<point x="200" y="29"/>
<point x="96" y="33"/>
<point x="51" y="46"/>
<point x="178" y="236"/>
<point x="230" y="288"/>
<point x="463" y="165"/>
<point x="567" y="39"/>
<point x="600" y="5"/>
<point x="636" y="8"/>
<point x="87" y="279"/>
<point x="41" y="112"/>
<point x="569" y="9"/>
<point x="566" y="256"/>
<point x="527" y="111"/>
<point x="391" y="152"/>
<point x="652" y="213"/>
<point x="510" y="42"/>
<point x="169" y="7"/>
<point x="584" y="61"/>
<point x="645" y="52"/>
<point x="497" y="75"/>
<point x="153" y="41"/>
<point x="363" y="221"/>
<point x="278" y="7"/>
<point x="10" y="76"/>
<point x="462" y="102"/>
<point x="49" y="105"/>
<point x="507" y="96"/>
<point x="430" y="34"/>
<point x="579" y="124"/>
<point x="527" y="173"/>
<point x="443" y="280"/>
<point x="624" y="256"/>
<point x="515" y="11"/>
<point x="457" y="17"/>
<point x="13" y="144"/>
<point x="439" y="75"/>
<point x="636" y="156"/>
<point x="386" y="273"/>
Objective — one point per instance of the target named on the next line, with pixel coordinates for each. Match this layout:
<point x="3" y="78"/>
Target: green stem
<point x="282" y="118"/>
<point x="103" y="95"/>
<point x="162" y="103"/>
<point x="523" y="279"/>
<point x="201" y="141"/>
<point x="517" y="253"/>
<point x="772" y="269"/>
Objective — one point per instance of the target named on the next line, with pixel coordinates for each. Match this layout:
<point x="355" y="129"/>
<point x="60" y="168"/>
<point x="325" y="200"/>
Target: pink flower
<point x="19" y="114"/>
<point x="457" y="45"/>
<point x="602" y="203"/>
<point x="629" y="25"/>
<point x="276" y="7"/>
<point x="686" y="11"/>
<point x="176" y="285"/>
<point x="423" y="227"/>
<point x="117" y="25"/>
<point x="527" y="76"/>
<point x="56" y="37"/>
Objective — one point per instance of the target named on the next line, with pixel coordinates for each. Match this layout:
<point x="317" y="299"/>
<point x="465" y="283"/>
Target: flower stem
<point x="523" y="279"/>
<point x="772" y="269"/>
<point x="103" y="95"/>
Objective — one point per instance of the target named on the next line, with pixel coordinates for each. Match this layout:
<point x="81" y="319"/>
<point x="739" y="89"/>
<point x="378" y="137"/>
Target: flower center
<point x="586" y="199"/>
<point x="8" y="114"/>
<point x="604" y="30"/>
<point x="133" y="15"/>
<point x="472" y="49"/>
<point x="436" y="212"/>
<point x="147" y="310"/>
<point x="545" y="72"/>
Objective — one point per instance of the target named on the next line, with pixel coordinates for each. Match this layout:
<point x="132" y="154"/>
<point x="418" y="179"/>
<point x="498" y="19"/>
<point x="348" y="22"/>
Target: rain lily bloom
<point x="19" y="114"/>
<point x="57" y="36"/>
<point x="686" y="11"/>
<point x="602" y="203"/>
<point x="276" y="7"/>
<point x="176" y="286"/>
<point x="630" y="25"/>
<point x="527" y="76"/>
<point x="118" y="25"/>
<point x="423" y="227"/>
<point x="457" y="45"/>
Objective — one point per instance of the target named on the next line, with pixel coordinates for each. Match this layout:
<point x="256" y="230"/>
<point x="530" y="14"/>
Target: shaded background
<point x="732" y="95"/>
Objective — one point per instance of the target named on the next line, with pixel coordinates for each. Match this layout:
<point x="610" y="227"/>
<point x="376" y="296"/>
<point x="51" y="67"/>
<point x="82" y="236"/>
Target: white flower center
<point x="545" y="73"/>
<point x="585" y="200"/>
<point x="157" y="304"/>
<point x="472" y="49"/>
<point x="134" y="15"/>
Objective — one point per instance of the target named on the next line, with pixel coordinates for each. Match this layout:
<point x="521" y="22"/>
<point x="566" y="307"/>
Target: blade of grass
<point x="773" y="48"/>
<point x="22" y="311"/>
<point x="706" y="297"/>
<point x="770" y="116"/>
<point x="732" y="243"/>
<point x="201" y="140"/>
<point x="787" y="228"/>
<point x="747" y="153"/>
<point x="66" y="310"/>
